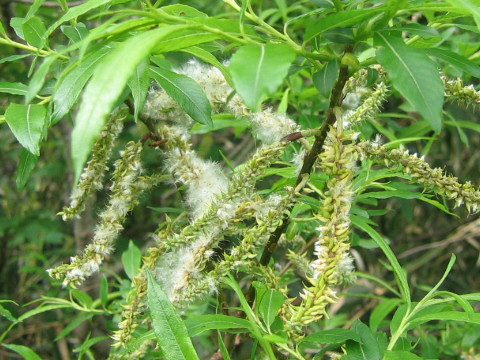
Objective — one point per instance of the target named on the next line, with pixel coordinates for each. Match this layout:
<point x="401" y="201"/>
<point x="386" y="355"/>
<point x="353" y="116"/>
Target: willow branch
<point x="311" y="157"/>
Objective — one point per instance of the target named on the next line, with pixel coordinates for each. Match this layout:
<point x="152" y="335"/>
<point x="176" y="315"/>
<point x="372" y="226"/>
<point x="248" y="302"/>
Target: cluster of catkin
<point x="222" y="205"/>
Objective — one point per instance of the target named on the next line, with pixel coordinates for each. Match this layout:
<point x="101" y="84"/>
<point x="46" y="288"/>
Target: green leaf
<point x="367" y="349"/>
<point x="69" y="87"/>
<point x="82" y="297"/>
<point x="414" y="75"/>
<point x="466" y="124"/>
<point x="7" y="314"/>
<point x="75" y="12"/>
<point x="381" y="311"/>
<point x="276" y="339"/>
<point x="471" y="6"/>
<point x="106" y="85"/>
<point x="446" y="315"/>
<point x="131" y="260"/>
<point x="325" y="78"/>
<point x="196" y="325"/>
<point x="169" y="328"/>
<point x="72" y="325"/>
<point x="87" y="344"/>
<point x="104" y="291"/>
<point x="138" y="84"/>
<point x="183" y="11"/>
<point x="42" y="308"/>
<point x="75" y="33"/>
<point x="16" y="24"/>
<point x="271" y="303"/>
<point x="397" y="318"/>
<point x="400" y="355"/>
<point x="260" y="290"/>
<point x="13" y="88"/>
<point x="418" y="29"/>
<point x="184" y="38"/>
<point x="24" y="351"/>
<point x="26" y="165"/>
<point x="34" y="8"/>
<point x="26" y="123"/>
<point x="437" y="205"/>
<point x="186" y="92"/>
<point x="339" y="20"/>
<point x="2" y="30"/>
<point x="399" y="272"/>
<point x="33" y="30"/>
<point x="402" y="194"/>
<point x="332" y="336"/>
<point x="431" y="293"/>
<point x="222" y="347"/>
<point x="12" y="58"/>
<point x="455" y="60"/>
<point x="38" y="79"/>
<point x="257" y="71"/>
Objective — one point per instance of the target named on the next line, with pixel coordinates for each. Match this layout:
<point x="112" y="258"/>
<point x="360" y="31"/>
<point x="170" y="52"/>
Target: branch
<point x="311" y="157"/>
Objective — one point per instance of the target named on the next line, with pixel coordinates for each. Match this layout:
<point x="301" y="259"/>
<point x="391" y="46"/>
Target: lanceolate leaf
<point x="414" y="75"/>
<point x="332" y="336"/>
<point x="138" y="84"/>
<point x="25" y="167"/>
<point x="257" y="71"/>
<point x="131" y="260"/>
<point x="74" y="12"/>
<point x="186" y="92"/>
<point x="198" y="324"/>
<point x="471" y="6"/>
<point x="381" y="311"/>
<point x="26" y="123"/>
<point x="367" y="349"/>
<point x="106" y="85"/>
<point x="185" y="38"/>
<point x="325" y="78"/>
<point x="338" y="20"/>
<point x="455" y="60"/>
<point x="401" y="355"/>
<point x="25" y="352"/>
<point x="271" y="303"/>
<point x="38" y="79"/>
<point x="169" y="328"/>
<point x="13" y="88"/>
<point x="399" y="272"/>
<point x="69" y="88"/>
<point x="75" y="33"/>
<point x="2" y="29"/>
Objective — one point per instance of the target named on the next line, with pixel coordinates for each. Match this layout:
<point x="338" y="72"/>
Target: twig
<point x="309" y="160"/>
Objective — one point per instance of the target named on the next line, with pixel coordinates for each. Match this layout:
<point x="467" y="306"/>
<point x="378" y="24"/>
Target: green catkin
<point x="369" y="107"/>
<point x="456" y="90"/>
<point x="228" y="205"/>
<point x="205" y="179"/>
<point x="332" y="247"/>
<point x="422" y="173"/>
<point x="125" y="190"/>
<point x="135" y="306"/>
<point x="361" y="78"/>
<point x="93" y="174"/>
<point x="240" y="256"/>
